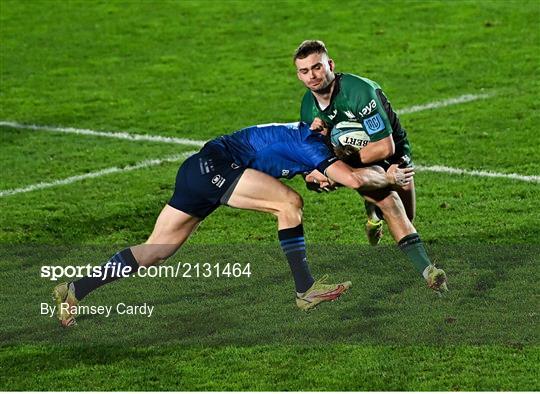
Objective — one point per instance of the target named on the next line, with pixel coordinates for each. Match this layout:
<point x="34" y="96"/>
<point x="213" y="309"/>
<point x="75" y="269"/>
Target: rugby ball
<point x="349" y="133"/>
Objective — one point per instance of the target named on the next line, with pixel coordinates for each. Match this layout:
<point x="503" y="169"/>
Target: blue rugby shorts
<point x="205" y="181"/>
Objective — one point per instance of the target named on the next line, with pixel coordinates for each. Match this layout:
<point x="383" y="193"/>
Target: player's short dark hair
<point x="308" y="47"/>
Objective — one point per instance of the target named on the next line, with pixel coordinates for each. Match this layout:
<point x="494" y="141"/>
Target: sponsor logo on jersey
<point x="355" y="141"/>
<point x="368" y="109"/>
<point x="374" y="124"/>
<point x="284" y="172"/>
<point x="218" y="180"/>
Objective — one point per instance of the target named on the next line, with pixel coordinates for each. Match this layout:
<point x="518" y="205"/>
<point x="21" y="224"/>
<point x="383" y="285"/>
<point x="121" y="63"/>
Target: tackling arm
<point x="368" y="178"/>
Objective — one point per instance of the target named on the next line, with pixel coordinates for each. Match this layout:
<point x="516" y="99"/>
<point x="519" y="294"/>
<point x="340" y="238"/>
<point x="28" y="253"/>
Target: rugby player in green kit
<point x="347" y="100"/>
<point x="338" y="98"/>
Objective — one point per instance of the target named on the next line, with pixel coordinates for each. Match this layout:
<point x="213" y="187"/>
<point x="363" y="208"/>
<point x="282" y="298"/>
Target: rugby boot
<point x="321" y="292"/>
<point x="64" y="298"/>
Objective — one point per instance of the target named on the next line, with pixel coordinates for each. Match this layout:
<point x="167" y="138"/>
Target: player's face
<point x="316" y="72"/>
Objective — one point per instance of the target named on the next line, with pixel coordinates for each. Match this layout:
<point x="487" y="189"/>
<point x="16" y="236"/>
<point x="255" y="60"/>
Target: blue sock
<point x="294" y="246"/>
<point x="122" y="264"/>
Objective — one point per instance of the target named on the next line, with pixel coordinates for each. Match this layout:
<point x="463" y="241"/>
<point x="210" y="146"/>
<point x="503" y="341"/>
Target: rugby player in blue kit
<point x="240" y="170"/>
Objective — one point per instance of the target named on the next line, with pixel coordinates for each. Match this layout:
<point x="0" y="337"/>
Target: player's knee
<point x="291" y="206"/>
<point x="296" y="201"/>
<point x="390" y="204"/>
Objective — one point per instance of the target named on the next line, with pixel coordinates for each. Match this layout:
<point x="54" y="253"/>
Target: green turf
<point x="22" y="160"/>
<point x="196" y="69"/>
<point x="278" y="367"/>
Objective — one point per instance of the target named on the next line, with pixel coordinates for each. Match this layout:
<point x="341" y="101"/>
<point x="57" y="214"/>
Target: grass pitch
<point x="200" y="69"/>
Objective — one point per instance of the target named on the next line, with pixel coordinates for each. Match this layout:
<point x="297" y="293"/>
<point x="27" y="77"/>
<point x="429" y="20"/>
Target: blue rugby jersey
<point x="281" y="150"/>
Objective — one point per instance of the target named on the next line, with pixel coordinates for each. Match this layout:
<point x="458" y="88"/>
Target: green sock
<point x="413" y="247"/>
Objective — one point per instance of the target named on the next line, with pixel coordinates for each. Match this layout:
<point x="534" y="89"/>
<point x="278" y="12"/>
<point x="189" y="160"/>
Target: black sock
<point x="294" y="246"/>
<point x="122" y="264"/>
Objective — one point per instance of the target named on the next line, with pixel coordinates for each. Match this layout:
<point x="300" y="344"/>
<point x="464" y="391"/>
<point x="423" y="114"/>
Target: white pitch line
<point x="488" y="174"/>
<point x="444" y="103"/>
<point x="95" y="174"/>
<point x="109" y="134"/>
<point x="155" y="162"/>
<point x="186" y="141"/>
<point x="183" y="141"/>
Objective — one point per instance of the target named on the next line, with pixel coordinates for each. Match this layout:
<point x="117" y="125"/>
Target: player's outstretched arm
<point x="368" y="178"/>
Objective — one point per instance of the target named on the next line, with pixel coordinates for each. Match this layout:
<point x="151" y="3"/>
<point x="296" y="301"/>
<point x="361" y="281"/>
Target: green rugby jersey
<point x="359" y="100"/>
